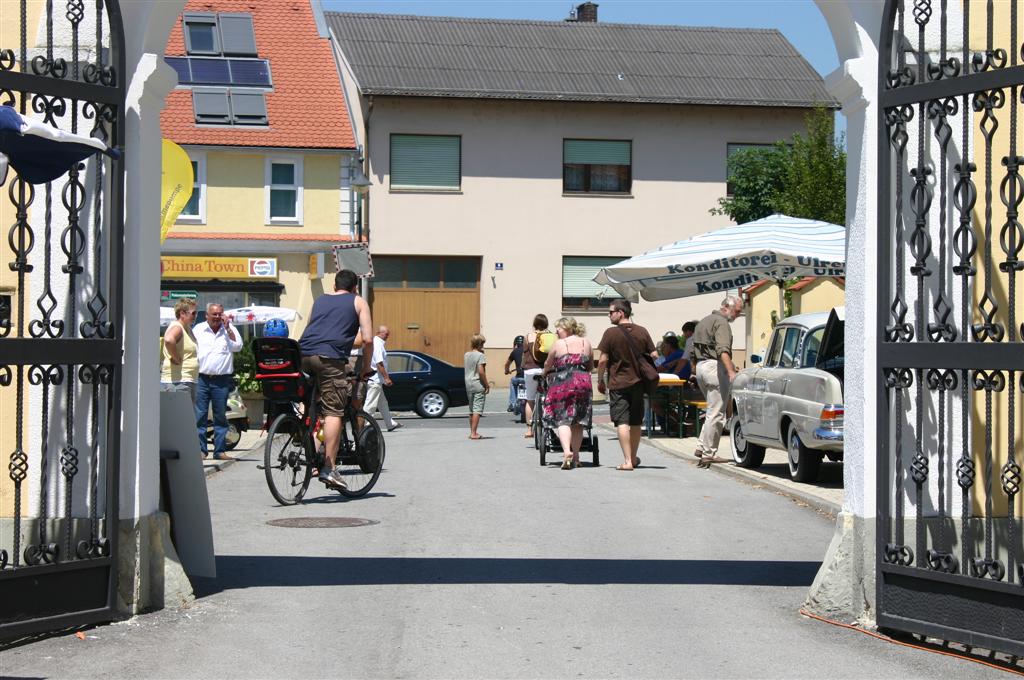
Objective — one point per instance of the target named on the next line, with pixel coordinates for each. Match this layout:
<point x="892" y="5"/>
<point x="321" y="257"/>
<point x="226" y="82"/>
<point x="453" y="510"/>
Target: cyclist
<point x="515" y="357"/>
<point x="336" y="322"/>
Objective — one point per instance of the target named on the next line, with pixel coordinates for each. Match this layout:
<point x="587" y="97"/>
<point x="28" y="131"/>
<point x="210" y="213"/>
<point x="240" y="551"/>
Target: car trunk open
<point x="831" y="354"/>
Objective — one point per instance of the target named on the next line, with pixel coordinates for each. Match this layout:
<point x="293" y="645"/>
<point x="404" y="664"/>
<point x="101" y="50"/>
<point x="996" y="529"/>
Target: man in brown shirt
<point x="712" y="350"/>
<point x="624" y="388"/>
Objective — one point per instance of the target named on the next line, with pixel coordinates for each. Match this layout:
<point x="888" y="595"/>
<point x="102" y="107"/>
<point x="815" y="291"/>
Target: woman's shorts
<point x="531" y="384"/>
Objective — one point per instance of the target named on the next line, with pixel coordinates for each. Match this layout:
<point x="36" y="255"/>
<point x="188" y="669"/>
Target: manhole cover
<point x="321" y="522"/>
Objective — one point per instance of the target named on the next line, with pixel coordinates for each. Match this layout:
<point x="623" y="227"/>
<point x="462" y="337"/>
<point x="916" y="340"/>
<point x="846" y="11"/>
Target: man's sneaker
<point x="332" y="479"/>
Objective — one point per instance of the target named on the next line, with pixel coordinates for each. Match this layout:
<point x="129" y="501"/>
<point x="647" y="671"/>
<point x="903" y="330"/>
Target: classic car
<point x="792" y="398"/>
<point x="424" y="384"/>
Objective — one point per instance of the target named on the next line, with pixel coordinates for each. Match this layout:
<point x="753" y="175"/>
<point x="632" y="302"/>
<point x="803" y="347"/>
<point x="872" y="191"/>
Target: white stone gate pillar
<point x="147" y="578"/>
<point x="845" y="586"/>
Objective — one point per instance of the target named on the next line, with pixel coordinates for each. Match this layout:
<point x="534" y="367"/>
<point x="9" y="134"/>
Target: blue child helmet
<point x="275" y="328"/>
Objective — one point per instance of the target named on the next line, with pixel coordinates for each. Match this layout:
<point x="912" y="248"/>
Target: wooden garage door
<point x="431" y="304"/>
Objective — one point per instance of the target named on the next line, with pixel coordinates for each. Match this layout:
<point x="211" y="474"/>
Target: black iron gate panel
<point x="951" y="360"/>
<point x="60" y="319"/>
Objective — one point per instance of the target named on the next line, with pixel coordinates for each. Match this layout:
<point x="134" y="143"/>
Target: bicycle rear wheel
<point x="286" y="459"/>
<point x="361" y="462"/>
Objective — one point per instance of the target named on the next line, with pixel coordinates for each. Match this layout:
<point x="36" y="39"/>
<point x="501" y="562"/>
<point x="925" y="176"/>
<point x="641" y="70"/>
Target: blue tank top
<point x="332" y="328"/>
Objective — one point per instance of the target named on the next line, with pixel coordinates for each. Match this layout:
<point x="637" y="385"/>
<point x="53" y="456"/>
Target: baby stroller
<point x="545" y="439"/>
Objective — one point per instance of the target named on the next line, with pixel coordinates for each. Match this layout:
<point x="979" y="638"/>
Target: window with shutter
<point x="426" y="162"/>
<point x="579" y="292"/>
<point x="248" y="108"/>
<point x="236" y="35"/>
<point x="211" y="106"/>
<point x="597" y="166"/>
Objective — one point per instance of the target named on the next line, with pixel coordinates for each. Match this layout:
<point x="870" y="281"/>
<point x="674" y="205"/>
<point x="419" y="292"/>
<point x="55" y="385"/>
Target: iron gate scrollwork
<point x="950" y="562"/>
<point x="61" y="337"/>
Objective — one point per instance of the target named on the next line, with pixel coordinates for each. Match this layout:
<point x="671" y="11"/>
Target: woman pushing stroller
<point x="567" y="403"/>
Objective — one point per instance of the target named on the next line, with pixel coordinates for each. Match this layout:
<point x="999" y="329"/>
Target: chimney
<point x="587" y="12"/>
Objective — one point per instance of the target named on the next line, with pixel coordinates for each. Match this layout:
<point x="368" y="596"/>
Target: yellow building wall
<point x="758" y="311"/>
<point x="236" y="195"/>
<point x="822" y="295"/>
<point x="1000" y="149"/>
<point x="10" y="31"/>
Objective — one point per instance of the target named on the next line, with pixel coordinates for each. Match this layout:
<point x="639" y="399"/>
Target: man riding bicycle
<point x="338" y="319"/>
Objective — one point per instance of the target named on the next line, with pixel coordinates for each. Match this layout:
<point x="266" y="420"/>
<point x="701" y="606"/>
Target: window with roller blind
<point x="579" y="292"/>
<point x="426" y="162"/>
<point x="597" y="166"/>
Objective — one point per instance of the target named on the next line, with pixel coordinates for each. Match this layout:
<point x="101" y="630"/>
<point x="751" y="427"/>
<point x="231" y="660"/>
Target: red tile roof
<point x="808" y="280"/>
<point x="306" y="108"/>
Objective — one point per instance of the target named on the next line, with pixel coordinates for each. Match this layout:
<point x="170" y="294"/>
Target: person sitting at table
<point x="675" y="360"/>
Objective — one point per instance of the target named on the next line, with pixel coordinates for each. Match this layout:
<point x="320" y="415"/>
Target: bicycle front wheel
<point x="365" y="460"/>
<point x="286" y="459"/>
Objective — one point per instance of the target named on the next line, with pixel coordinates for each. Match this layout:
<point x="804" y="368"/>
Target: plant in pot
<point x="248" y="385"/>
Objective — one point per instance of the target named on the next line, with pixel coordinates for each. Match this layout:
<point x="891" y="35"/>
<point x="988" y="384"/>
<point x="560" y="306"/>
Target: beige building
<point x="501" y="184"/>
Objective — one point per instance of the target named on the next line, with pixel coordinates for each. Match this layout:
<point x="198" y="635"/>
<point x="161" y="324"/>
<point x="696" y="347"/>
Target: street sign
<point x="166" y="295"/>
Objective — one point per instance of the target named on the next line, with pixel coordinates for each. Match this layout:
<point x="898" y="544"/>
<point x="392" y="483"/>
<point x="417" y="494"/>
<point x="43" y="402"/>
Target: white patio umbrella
<point x="166" y="315"/>
<point x="257" y="314"/>
<point x="776" y="247"/>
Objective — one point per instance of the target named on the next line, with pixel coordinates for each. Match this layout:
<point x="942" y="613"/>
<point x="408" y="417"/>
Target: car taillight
<point x="832" y="416"/>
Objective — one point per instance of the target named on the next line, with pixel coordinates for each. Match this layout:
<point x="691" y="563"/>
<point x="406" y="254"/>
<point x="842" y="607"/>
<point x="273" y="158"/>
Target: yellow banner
<point x="175" y="185"/>
<point x="172" y="267"/>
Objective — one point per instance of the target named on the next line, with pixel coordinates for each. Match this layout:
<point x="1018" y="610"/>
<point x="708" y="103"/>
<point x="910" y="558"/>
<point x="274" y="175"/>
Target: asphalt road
<point x="481" y="563"/>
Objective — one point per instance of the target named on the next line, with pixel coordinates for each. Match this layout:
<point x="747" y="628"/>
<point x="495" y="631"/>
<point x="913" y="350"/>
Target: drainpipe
<point x="363" y="200"/>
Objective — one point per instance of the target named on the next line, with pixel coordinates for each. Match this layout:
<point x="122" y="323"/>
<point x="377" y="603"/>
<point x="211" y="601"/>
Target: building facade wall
<point x="511" y="210"/>
<point x="822" y="295"/>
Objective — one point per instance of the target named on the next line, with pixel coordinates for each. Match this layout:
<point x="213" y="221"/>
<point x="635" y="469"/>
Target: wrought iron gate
<point x="951" y="360"/>
<point x="61" y="337"/>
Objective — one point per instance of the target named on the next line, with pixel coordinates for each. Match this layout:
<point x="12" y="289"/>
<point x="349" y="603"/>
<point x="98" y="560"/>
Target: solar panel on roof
<point x="250" y="72"/>
<point x="210" y="72"/>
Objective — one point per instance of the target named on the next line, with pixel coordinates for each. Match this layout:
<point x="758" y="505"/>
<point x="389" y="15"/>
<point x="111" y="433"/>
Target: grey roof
<point x="555" y="60"/>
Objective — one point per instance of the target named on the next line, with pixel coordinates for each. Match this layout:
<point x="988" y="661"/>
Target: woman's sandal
<point x="567" y="464"/>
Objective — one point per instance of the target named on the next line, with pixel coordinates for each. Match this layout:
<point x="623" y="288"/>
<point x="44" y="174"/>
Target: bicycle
<point x="293" y="448"/>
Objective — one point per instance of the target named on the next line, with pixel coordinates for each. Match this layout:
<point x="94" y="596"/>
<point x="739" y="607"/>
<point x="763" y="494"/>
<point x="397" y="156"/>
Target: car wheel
<point x="432" y="404"/>
<point x="745" y="453"/>
<point x="803" y="462"/>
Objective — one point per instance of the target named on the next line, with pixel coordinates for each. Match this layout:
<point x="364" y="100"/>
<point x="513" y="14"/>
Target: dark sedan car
<point x="424" y="384"/>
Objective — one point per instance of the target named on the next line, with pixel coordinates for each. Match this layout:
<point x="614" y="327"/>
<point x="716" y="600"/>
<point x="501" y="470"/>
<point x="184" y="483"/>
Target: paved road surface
<point x="484" y="564"/>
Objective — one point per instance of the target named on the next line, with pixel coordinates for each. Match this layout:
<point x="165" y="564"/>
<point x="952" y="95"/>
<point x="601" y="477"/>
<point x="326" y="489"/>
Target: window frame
<point x="207" y="18"/>
<point x="592" y="304"/>
<point x="587" y="172"/>
<point x="794" y="356"/>
<point x="415" y="188"/>
<point x="268" y="186"/>
<point x="199" y="181"/>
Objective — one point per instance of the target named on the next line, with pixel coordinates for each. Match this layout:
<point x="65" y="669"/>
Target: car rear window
<point x="789" y="347"/>
<point x="811" y="346"/>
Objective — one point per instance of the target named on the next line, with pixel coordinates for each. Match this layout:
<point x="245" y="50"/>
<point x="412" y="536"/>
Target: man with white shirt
<point x="375" y="397"/>
<point x="216" y="343"/>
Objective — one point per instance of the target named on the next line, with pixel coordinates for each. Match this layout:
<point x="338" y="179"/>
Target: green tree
<point x="814" y="186"/>
<point x="803" y="178"/>
<point x="756" y="177"/>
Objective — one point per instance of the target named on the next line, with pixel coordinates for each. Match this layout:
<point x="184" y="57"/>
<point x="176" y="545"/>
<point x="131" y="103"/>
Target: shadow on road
<point x="257" y="571"/>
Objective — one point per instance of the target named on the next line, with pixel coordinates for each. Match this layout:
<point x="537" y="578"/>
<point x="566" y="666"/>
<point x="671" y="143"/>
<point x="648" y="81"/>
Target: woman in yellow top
<point x="179" y="368"/>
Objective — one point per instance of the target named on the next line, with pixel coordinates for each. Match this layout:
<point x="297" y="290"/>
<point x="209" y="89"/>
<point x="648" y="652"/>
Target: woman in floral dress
<point x="567" y="403"/>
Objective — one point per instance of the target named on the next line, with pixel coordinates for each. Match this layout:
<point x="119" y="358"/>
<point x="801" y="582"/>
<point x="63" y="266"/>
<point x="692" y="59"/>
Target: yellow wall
<point x="236" y="197"/>
<point x="1000" y="149"/>
<point x="758" y="312"/>
<point x="822" y="295"/>
<point x="10" y="29"/>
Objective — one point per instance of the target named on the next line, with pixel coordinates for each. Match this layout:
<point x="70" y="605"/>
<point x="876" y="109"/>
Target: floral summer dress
<point x="569" y="392"/>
